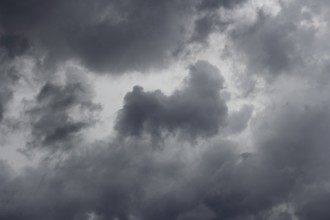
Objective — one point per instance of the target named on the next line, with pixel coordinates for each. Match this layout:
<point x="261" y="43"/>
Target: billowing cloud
<point x="197" y="109"/>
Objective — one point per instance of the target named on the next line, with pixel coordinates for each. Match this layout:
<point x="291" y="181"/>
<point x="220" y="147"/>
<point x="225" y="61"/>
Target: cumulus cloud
<point x="197" y="109"/>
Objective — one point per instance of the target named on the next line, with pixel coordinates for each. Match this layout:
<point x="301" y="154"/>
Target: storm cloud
<point x="108" y="182"/>
<point x="197" y="109"/>
<point x="197" y="141"/>
<point x="106" y="36"/>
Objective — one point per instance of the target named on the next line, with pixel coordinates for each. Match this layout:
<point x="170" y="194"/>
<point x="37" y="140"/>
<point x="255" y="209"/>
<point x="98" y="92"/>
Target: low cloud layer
<point x="111" y="36"/>
<point x="105" y="36"/>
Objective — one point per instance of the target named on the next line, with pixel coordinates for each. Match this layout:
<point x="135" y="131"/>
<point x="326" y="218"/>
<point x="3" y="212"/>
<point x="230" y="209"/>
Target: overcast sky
<point x="164" y="110"/>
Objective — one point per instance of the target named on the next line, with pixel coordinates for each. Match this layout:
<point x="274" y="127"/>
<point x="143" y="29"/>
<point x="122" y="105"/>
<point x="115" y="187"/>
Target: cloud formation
<point x="11" y="47"/>
<point x="196" y="110"/>
<point x="55" y="118"/>
<point x="106" y="36"/>
<point x="109" y="182"/>
<point x="261" y="155"/>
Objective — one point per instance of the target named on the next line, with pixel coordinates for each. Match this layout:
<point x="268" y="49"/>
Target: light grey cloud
<point x="238" y="120"/>
<point x="53" y="125"/>
<point x="11" y="47"/>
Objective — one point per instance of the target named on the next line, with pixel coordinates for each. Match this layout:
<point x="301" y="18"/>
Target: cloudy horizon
<point x="164" y="110"/>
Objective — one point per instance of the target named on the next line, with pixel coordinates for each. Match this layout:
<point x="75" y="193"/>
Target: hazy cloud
<point x="55" y="117"/>
<point x="11" y="47"/>
<point x="238" y="120"/>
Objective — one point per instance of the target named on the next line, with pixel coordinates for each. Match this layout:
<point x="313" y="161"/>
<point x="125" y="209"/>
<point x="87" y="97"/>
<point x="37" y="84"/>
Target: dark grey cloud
<point x="11" y="47"/>
<point x="215" y="4"/>
<point x="5" y="90"/>
<point x="122" y="180"/>
<point x="268" y="44"/>
<point x="110" y="36"/>
<point x="289" y="166"/>
<point x="284" y="176"/>
<point x="316" y="207"/>
<point x="210" y="18"/>
<point x="51" y="118"/>
<point x="131" y="181"/>
<point x="293" y="148"/>
<point x="206" y="25"/>
<point x="282" y="43"/>
<point x="203" y="27"/>
<point x="107" y="36"/>
<point x="197" y="109"/>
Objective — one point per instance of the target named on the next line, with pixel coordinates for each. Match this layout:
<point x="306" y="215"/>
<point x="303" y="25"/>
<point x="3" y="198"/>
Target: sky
<point x="164" y="110"/>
